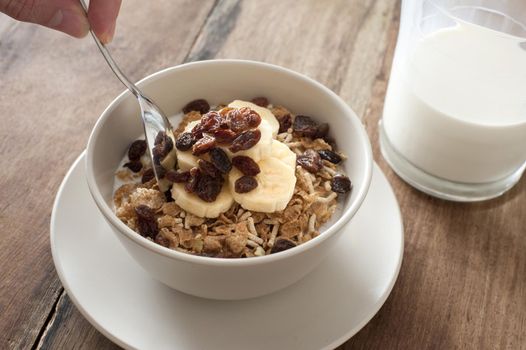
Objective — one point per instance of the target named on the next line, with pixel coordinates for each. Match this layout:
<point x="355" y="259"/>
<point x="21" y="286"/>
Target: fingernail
<point x="71" y="22"/>
<point x="56" y="19"/>
<point x="107" y="36"/>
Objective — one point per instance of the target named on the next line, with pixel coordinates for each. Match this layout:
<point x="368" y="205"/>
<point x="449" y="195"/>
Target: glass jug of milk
<point x="454" y="119"/>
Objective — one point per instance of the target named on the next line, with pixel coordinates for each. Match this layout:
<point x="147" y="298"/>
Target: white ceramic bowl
<point x="220" y="81"/>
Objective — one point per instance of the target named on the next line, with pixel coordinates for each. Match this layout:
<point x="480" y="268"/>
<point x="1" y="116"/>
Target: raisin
<point x="159" y="138"/>
<point x="199" y="105"/>
<point x="136" y="150"/>
<point x="310" y="160"/>
<point x="147" y="175"/>
<point x="245" y="140"/>
<point x="236" y="120"/>
<point x="282" y="244"/>
<point x="260" y="101"/>
<point x="156" y="156"/>
<point x="146" y="221"/>
<point x="208" y="168"/>
<point x="163" y="145"/>
<point x="160" y="170"/>
<point x="220" y="160"/>
<point x="245" y="184"/>
<point x="246" y="165"/>
<point x="178" y="176"/>
<point x="305" y="126"/>
<point x="157" y="153"/>
<point x="195" y="175"/>
<point x="161" y="240"/>
<point x="331" y="156"/>
<point x="145" y="212"/>
<point x="224" y="124"/>
<point x="203" y="145"/>
<point x="197" y="131"/>
<point x="224" y="111"/>
<point x="208" y="187"/>
<point x="168" y="145"/>
<point x="253" y="119"/>
<point x="341" y="184"/>
<point x="331" y="141"/>
<point x="185" y="141"/>
<point x="242" y="119"/>
<point x="134" y="166"/>
<point x="224" y="136"/>
<point x="322" y="131"/>
<point x="168" y="196"/>
<point x="210" y="122"/>
<point x="285" y="123"/>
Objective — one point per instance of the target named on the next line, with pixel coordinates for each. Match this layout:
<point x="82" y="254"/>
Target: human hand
<point x="67" y="15"/>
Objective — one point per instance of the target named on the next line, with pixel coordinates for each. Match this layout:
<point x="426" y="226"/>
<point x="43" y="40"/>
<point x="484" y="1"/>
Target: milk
<point x="456" y="106"/>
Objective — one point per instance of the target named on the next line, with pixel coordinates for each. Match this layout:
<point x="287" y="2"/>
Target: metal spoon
<point x="153" y="119"/>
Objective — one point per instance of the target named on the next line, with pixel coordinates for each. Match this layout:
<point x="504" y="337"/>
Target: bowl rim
<point x="134" y="237"/>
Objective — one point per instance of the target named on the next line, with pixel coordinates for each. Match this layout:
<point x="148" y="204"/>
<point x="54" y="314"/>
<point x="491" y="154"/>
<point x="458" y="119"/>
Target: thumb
<point x="102" y="15"/>
<point x="64" y="15"/>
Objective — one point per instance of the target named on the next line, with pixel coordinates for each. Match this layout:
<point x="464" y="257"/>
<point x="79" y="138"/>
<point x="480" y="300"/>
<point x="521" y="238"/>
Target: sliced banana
<point x="263" y="112"/>
<point x="170" y="160"/>
<point x="260" y="150"/>
<point x="185" y="159"/>
<point x="283" y="153"/>
<point x="196" y="206"/>
<point x="275" y="188"/>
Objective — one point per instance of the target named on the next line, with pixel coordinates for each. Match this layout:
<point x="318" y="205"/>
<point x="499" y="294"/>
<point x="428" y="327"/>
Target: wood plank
<point x="462" y="282"/>
<point x="445" y="281"/>
<point x="53" y="90"/>
<point x="328" y="41"/>
<point x="70" y="330"/>
<point x="357" y="21"/>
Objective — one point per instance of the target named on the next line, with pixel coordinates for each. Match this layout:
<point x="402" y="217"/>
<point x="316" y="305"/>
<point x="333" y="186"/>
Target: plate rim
<point x="337" y="342"/>
<point x="58" y="265"/>
<point x="389" y="289"/>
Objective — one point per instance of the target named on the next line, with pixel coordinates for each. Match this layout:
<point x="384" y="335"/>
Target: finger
<point x="64" y="15"/>
<point x="102" y="15"/>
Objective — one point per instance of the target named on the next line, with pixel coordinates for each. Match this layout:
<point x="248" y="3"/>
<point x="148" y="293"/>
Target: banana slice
<point x="185" y="159"/>
<point x="195" y="205"/>
<point x="283" y="153"/>
<point x="263" y="112"/>
<point x="275" y="188"/>
<point x="260" y="150"/>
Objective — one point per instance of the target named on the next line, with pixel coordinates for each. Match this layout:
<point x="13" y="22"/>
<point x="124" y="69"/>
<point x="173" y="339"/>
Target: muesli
<point x="246" y="179"/>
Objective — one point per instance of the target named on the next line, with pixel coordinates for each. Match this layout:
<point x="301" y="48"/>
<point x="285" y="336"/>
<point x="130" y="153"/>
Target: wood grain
<point x="53" y="89"/>
<point x="69" y="330"/>
<point x="462" y="284"/>
<point x="330" y="43"/>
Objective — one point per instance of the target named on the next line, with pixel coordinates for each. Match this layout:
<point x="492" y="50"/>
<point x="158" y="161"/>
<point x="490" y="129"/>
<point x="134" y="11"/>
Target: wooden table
<point x="463" y="278"/>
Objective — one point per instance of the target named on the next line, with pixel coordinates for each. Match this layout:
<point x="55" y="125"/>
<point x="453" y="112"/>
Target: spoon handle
<point x="131" y="86"/>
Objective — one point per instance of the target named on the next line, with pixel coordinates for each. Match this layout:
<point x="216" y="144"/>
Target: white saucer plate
<point x="321" y="311"/>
